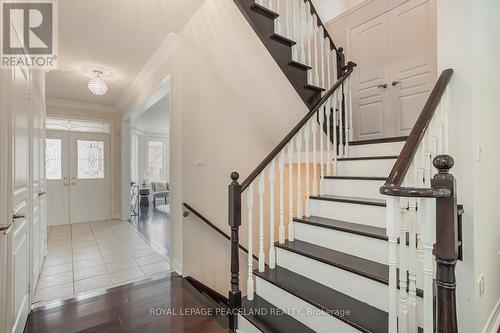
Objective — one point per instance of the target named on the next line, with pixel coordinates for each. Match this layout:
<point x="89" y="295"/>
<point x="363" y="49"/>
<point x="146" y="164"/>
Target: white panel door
<point x="37" y="177"/>
<point x="413" y="63"/>
<point x="90" y="183"/>
<point x="369" y="46"/>
<point x="57" y="173"/>
<point x="19" y="240"/>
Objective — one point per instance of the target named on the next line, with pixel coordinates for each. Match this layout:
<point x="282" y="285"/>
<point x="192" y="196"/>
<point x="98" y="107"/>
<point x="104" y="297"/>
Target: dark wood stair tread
<point x="269" y="319"/>
<point x="299" y="65"/>
<point x="353" y="228"/>
<point x="314" y="88"/>
<point x="356" y="178"/>
<point x="361" y="315"/>
<point x="353" y="200"/>
<point x="374" y="141"/>
<point x="265" y="11"/>
<point x="283" y="39"/>
<point x="370" y="269"/>
<point x="367" y="158"/>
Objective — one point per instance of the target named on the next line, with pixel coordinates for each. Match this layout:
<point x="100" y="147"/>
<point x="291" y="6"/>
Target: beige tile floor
<point x="88" y="257"/>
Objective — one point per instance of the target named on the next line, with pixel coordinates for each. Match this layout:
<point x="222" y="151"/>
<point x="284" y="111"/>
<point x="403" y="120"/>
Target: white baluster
<point x="294" y="24"/>
<point x="291" y="230"/>
<point x="412" y="257"/>
<point x="288" y="21"/>
<point x="321" y="117"/>
<point x="341" y="124"/>
<point x="335" y="133"/>
<point x="393" y="227"/>
<point x="314" y="124"/>
<point x="299" y="173"/>
<point x="328" y="73"/>
<point x="328" y="137"/>
<point x="350" y="131"/>
<point x="281" y="167"/>
<point x="316" y="51"/>
<point x="250" y="286"/>
<point x="303" y="27"/>
<point x="403" y="268"/>
<point x="445" y="120"/>
<point x="428" y="222"/>
<point x="334" y="66"/>
<point x="307" y="133"/>
<point x="309" y="32"/>
<point x="277" y="22"/>
<point x="262" y="257"/>
<point x="272" y="251"/>
<point x="329" y="61"/>
<point x="322" y="54"/>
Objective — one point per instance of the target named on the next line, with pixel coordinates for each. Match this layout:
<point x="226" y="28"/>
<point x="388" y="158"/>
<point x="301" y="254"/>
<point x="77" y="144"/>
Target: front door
<point x="78" y="176"/>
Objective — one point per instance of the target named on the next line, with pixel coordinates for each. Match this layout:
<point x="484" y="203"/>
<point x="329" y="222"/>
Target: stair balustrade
<point x="293" y="155"/>
<point x="422" y="212"/>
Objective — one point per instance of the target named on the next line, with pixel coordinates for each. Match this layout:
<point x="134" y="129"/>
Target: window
<point x="74" y="125"/>
<point x="90" y="159"/>
<point x="53" y="161"/>
<point x="155" y="161"/>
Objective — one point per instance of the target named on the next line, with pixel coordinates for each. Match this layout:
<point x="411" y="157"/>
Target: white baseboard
<point x="176" y="266"/>
<point x="493" y="323"/>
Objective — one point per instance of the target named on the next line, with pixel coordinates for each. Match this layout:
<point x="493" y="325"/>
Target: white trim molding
<point x="493" y="323"/>
<point x="65" y="103"/>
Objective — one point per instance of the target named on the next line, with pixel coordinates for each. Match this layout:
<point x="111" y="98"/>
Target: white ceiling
<point x="154" y="120"/>
<point x="117" y="36"/>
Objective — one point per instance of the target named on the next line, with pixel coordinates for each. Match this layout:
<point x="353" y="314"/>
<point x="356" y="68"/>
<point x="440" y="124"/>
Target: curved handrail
<point x="211" y="225"/>
<point x="393" y="183"/>
<point x="349" y="69"/>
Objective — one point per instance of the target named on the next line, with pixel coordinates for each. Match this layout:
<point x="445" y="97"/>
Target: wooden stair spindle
<point x="281" y="167"/>
<point x="446" y="247"/>
<point x="262" y="187"/>
<point x="250" y="202"/>
<point x="291" y="231"/>
<point x="234" y="200"/>
<point x="272" y="251"/>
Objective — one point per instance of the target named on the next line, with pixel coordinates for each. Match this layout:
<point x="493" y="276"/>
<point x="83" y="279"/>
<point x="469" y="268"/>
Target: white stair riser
<point x="349" y="212"/>
<point x="354" y="285"/>
<point x="357" y="245"/>
<point x="367" y="168"/>
<point x="244" y="326"/>
<point x="378" y="149"/>
<point x="301" y="310"/>
<point x="354" y="188"/>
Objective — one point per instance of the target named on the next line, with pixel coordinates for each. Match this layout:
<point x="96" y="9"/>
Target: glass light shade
<point x="98" y="86"/>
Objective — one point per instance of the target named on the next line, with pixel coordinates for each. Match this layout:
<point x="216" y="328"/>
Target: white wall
<point x="468" y="43"/>
<point x="94" y="112"/>
<point x="231" y="104"/>
<point x="328" y="9"/>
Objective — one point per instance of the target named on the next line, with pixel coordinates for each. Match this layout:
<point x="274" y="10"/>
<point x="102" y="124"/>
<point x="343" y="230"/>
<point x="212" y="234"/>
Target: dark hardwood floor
<point x="155" y="226"/>
<point x="127" y="309"/>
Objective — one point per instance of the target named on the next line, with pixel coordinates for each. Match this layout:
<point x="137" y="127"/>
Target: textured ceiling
<point x="117" y="36"/>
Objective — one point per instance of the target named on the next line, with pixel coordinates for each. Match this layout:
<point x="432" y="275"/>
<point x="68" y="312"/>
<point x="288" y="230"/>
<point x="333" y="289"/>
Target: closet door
<point x="413" y="61"/>
<point x="369" y="46"/>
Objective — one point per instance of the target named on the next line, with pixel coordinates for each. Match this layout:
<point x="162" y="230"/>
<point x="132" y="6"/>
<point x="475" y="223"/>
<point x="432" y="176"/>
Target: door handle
<point x="73" y="181"/>
<point x="18" y="216"/>
<point x="65" y="181"/>
<point x="383" y="85"/>
<point x="395" y="83"/>
<point x="42" y="193"/>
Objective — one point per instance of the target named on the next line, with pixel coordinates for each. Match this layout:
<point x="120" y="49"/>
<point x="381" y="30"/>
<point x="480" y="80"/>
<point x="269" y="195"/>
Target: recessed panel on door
<point x="57" y="173"/>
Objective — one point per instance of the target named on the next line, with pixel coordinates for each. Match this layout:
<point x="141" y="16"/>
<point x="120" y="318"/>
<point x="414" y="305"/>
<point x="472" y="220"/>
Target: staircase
<point x="348" y="236"/>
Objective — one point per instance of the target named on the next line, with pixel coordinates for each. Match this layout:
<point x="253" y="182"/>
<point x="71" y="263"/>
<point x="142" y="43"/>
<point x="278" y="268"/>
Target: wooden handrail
<point x="349" y="69"/>
<point x="211" y="225"/>
<point x="393" y="184"/>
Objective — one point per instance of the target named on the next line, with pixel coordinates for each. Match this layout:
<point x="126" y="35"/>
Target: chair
<point x="161" y="190"/>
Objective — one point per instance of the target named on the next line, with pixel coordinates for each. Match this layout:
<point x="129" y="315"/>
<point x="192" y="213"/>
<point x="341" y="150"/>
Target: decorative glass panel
<point x="155" y="159"/>
<point x="53" y="163"/>
<point x="90" y="159"/>
<point x="73" y="125"/>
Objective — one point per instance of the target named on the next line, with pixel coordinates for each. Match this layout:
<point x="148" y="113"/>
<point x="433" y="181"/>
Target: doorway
<point x="78" y="177"/>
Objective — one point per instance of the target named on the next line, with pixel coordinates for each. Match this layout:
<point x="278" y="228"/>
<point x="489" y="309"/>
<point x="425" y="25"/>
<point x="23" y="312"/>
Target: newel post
<point x="234" y="191"/>
<point x="446" y="247"/>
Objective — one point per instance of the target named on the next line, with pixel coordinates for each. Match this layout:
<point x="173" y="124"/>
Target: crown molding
<point x="157" y="60"/>
<point x="348" y="12"/>
<point x="66" y="103"/>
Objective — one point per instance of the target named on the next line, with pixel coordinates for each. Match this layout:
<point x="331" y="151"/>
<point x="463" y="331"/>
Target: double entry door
<point x="78" y="177"/>
<point x="396" y="56"/>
